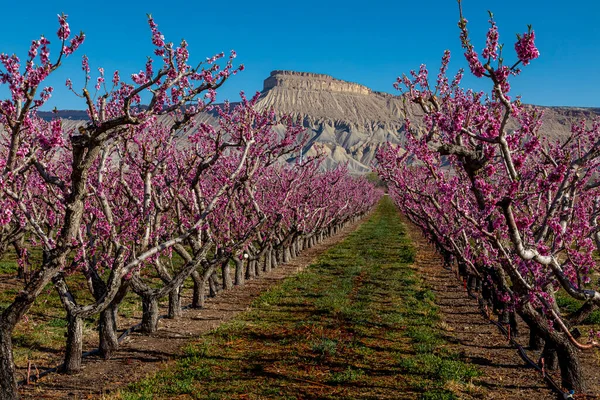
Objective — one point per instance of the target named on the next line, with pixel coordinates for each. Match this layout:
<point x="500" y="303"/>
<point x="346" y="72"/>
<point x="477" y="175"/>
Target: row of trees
<point x="518" y="213"/>
<point x="144" y="184"/>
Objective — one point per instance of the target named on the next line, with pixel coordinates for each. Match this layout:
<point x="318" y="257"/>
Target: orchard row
<point x="145" y="196"/>
<point x="517" y="213"/>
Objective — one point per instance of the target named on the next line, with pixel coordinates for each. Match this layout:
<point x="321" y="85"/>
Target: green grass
<point x="569" y="305"/>
<point x="40" y="337"/>
<point x="359" y="323"/>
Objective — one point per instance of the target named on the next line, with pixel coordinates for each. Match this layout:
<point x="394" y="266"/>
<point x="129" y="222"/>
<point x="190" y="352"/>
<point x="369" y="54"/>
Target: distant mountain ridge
<point x="350" y="120"/>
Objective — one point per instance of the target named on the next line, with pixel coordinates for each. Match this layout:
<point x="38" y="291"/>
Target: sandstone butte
<point x="349" y="120"/>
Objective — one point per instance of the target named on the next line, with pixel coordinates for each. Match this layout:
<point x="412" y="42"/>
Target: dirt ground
<point x="505" y="375"/>
<point x="141" y="355"/>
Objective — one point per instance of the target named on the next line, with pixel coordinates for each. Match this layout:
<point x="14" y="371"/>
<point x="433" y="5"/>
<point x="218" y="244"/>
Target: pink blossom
<point x="63" y="31"/>
<point x="525" y="47"/>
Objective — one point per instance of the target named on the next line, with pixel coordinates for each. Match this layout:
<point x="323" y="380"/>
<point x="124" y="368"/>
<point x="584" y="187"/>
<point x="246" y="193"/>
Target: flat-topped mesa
<point x="310" y="81"/>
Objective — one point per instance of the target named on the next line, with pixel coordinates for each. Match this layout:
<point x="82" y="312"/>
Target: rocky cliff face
<point x="312" y="82"/>
<point x="350" y="121"/>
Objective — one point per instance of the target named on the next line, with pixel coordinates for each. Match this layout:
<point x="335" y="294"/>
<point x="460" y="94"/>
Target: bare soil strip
<point x="141" y="355"/>
<point x="505" y="375"/>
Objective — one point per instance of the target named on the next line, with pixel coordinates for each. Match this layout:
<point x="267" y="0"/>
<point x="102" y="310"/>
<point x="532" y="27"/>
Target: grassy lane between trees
<point x="356" y="324"/>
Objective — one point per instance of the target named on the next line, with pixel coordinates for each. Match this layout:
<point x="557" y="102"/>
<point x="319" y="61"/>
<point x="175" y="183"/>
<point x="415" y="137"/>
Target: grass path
<point x="357" y="324"/>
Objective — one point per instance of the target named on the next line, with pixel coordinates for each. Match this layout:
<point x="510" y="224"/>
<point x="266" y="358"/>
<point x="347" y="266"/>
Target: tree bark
<point x="149" y="314"/>
<point x="535" y="340"/>
<point x="550" y="357"/>
<point x="250" y="271"/>
<point x="293" y="250"/>
<point x="571" y="370"/>
<point x="212" y="285"/>
<point x="255" y="264"/>
<point x="74" y="344"/>
<point x="267" y="265"/>
<point x="198" y="293"/>
<point x="22" y="270"/>
<point x="107" y="332"/>
<point x="8" y="383"/>
<point x="175" y="303"/>
<point x="226" y="275"/>
<point x="107" y="326"/>
<point x="239" y="271"/>
<point x="582" y="313"/>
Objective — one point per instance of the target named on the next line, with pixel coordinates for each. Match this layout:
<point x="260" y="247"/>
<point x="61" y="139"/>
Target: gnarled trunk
<point x="239" y="271"/>
<point x="226" y="275"/>
<point x="107" y="324"/>
<point x="286" y="254"/>
<point x="107" y="332"/>
<point x="267" y="262"/>
<point x="535" y="340"/>
<point x="74" y="344"/>
<point x="8" y="383"/>
<point x="571" y="370"/>
<point x="175" y="303"/>
<point x="550" y="357"/>
<point x="149" y="314"/>
<point x="250" y="270"/>
<point x="213" y="285"/>
<point x="198" y="291"/>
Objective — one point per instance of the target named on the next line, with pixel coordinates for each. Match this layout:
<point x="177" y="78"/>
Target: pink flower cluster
<point x="525" y="47"/>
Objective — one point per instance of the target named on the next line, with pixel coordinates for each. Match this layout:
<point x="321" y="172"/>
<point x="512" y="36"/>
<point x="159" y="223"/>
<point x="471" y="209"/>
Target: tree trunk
<point x="286" y="254"/>
<point x="550" y="357"/>
<point x="250" y="271"/>
<point x="226" y="274"/>
<point x="267" y="265"/>
<point x="19" y="249"/>
<point x="571" y="370"/>
<point x="580" y="315"/>
<point x="239" y="271"/>
<point x="212" y="286"/>
<point x="198" y="293"/>
<point x="293" y="250"/>
<point x="107" y="332"/>
<point x="149" y="314"/>
<point x="74" y="344"/>
<point x="256" y="266"/>
<point x="535" y="340"/>
<point x="107" y="325"/>
<point x="274" y="261"/>
<point x="8" y="384"/>
<point x="175" y="303"/>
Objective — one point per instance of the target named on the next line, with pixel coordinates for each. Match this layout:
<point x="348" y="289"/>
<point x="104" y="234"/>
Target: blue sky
<point x="369" y="43"/>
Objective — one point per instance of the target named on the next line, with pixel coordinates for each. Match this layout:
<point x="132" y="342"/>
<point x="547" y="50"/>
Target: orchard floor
<point x="141" y="355"/>
<point x="504" y="375"/>
<point x="384" y="356"/>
